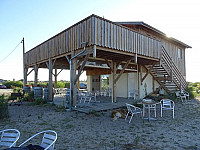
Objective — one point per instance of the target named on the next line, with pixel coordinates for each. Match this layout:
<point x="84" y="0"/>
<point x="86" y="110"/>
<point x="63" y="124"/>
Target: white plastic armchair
<point x="186" y="94"/>
<point x="48" y="140"/>
<point x="167" y="104"/>
<point x="132" y="110"/>
<point x="180" y="95"/>
<point x="9" y="137"/>
<point x="132" y="94"/>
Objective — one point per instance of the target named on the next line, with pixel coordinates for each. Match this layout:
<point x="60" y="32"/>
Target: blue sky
<point x="37" y="21"/>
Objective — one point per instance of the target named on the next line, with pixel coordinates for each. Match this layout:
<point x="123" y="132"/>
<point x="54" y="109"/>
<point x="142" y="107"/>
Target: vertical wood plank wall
<point x="95" y="30"/>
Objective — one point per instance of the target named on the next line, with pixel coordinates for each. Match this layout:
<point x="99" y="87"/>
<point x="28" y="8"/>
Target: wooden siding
<point x="171" y="48"/>
<point x="98" y="31"/>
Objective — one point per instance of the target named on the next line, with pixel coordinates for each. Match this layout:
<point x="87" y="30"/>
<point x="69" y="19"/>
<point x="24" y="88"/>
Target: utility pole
<point x="24" y="66"/>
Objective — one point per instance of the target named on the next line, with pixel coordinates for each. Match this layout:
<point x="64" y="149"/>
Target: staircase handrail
<point x="172" y="70"/>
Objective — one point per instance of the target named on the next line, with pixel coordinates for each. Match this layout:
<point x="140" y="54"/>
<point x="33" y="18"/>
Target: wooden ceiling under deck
<point x="101" y="55"/>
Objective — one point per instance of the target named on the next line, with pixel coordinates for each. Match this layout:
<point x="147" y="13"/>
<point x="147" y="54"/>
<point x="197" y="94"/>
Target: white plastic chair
<point x="167" y="104"/>
<point x="151" y="107"/>
<point x="132" y="94"/>
<point x="9" y="137"/>
<point x="85" y="97"/>
<point x="187" y="95"/>
<point x="180" y="95"/>
<point x="132" y="110"/>
<point x="48" y="140"/>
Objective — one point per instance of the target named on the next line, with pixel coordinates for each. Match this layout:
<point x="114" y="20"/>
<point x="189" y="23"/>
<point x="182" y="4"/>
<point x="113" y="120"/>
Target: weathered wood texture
<point x="170" y="46"/>
<point x="95" y="31"/>
<point x="177" y="54"/>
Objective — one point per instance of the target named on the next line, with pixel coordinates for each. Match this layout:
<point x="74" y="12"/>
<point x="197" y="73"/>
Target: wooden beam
<point x="67" y="57"/>
<point x="141" y="75"/>
<point x="113" y="82"/>
<point x="60" y="71"/>
<point x="102" y="71"/>
<point x="138" y="79"/>
<point x="36" y="75"/>
<point x="147" y="72"/>
<point x="79" y="62"/>
<point x="81" y="68"/>
<point x="55" y="77"/>
<point x="125" y="66"/>
<point x="136" y="58"/>
<point x="95" y="51"/>
<point x="74" y="84"/>
<point x="25" y="76"/>
<point x="109" y="64"/>
<point x="29" y="71"/>
<point x="118" y="63"/>
<point x="50" y="88"/>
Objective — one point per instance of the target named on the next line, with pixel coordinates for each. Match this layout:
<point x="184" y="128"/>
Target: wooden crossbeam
<point x="67" y="57"/>
<point x="161" y="86"/>
<point x="81" y="68"/>
<point x="118" y="63"/>
<point x="30" y="71"/>
<point x="79" y="62"/>
<point x="147" y="72"/>
<point x="122" y="71"/>
<point x="59" y="71"/>
<point x="109" y="64"/>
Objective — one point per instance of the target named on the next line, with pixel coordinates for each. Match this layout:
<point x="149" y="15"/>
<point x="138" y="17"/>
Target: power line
<point x="11" y="51"/>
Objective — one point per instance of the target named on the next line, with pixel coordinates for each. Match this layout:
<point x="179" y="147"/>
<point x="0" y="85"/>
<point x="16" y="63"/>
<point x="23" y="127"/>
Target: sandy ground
<point x="79" y="131"/>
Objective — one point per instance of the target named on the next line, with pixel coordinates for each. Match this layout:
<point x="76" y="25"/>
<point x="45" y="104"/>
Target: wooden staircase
<point x="167" y="74"/>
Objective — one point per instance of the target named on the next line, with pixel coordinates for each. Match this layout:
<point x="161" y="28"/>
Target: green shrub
<point x="192" y="91"/>
<point x="60" y="84"/>
<point x="17" y="90"/>
<point x="29" y="96"/>
<point x="40" y="101"/>
<point x="3" y="108"/>
<point x="13" y="84"/>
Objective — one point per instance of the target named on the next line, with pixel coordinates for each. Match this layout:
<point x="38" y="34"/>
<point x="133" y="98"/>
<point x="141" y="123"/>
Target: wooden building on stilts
<point x="134" y="55"/>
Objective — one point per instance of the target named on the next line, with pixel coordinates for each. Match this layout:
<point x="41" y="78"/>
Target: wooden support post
<point x="138" y="79"/>
<point x="55" y="76"/>
<point x="141" y="74"/>
<point x="50" y="88"/>
<point x="25" y="76"/>
<point x="113" y="67"/>
<point x="81" y="68"/>
<point x="72" y="83"/>
<point x="78" y="86"/>
<point x="153" y="85"/>
<point x="36" y="75"/>
<point x="114" y="64"/>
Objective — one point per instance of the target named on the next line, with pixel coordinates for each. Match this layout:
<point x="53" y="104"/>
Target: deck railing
<point x="95" y="31"/>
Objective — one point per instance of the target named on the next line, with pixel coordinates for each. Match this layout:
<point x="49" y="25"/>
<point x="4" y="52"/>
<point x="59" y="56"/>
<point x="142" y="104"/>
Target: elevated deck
<point x="110" y="39"/>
